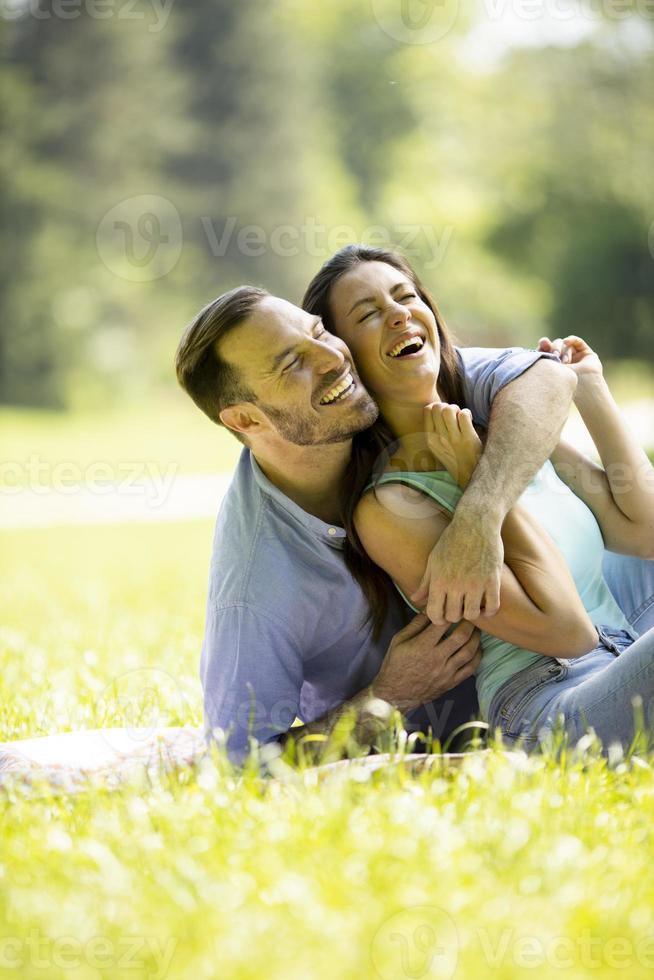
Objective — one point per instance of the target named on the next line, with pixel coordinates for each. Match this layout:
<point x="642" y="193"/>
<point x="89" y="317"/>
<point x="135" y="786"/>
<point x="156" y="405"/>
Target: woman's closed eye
<point x="402" y="299"/>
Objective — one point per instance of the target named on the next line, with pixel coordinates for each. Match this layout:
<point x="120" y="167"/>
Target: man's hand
<point x="422" y="664"/>
<point x="462" y="578"/>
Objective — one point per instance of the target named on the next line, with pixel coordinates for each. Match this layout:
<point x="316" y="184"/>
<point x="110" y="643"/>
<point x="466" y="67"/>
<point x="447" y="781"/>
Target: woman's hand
<point x="453" y="440"/>
<point x="576" y="354"/>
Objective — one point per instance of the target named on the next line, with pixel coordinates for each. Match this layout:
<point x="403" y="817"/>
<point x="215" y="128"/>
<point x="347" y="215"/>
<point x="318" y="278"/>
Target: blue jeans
<point x="631" y="580"/>
<point x="594" y="691"/>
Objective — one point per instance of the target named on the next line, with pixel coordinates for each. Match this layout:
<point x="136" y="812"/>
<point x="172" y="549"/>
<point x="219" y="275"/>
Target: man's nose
<point x="329" y="358"/>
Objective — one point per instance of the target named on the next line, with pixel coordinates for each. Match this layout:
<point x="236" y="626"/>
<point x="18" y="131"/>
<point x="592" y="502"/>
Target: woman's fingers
<point x="445" y="419"/>
<point x="449" y="416"/>
<point x="573" y="347"/>
<point x="465" y="422"/>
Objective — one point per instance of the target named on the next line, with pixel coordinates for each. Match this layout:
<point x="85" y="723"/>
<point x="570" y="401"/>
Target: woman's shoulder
<point x="401" y="496"/>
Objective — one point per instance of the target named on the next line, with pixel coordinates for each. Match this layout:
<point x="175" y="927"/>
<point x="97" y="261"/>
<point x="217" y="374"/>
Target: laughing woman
<point x="559" y="651"/>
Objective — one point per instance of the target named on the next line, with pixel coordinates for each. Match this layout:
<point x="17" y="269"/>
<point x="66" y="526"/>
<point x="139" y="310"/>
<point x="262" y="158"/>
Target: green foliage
<point x="517" y="864"/>
<point x="273" y="133"/>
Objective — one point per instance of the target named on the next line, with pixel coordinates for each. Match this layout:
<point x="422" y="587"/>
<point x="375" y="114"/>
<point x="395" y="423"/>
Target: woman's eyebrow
<point x="371" y="299"/>
<point x="367" y="299"/>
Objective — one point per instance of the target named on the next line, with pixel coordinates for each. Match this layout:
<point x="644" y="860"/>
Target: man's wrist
<point x="379" y="692"/>
<point x="475" y="509"/>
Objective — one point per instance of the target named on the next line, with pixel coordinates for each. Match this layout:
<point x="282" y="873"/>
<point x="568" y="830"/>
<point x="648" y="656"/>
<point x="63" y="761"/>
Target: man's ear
<point x="244" y="418"/>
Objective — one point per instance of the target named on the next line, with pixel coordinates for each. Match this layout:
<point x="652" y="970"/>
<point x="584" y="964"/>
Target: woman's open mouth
<point x="339" y="392"/>
<point x="409" y="347"/>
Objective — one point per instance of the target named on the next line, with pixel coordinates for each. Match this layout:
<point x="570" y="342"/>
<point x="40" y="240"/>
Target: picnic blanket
<point x="111" y="755"/>
<point x="71" y="761"/>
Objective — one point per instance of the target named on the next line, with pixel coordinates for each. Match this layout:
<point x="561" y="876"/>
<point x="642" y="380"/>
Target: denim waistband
<point x="615" y="640"/>
<point x="523" y="682"/>
<point x="529" y="679"/>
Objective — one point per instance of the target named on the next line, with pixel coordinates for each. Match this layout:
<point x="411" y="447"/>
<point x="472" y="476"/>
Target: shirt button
<point x="332" y="531"/>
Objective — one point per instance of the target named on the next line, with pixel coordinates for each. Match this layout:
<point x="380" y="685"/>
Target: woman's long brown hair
<point x="369" y="446"/>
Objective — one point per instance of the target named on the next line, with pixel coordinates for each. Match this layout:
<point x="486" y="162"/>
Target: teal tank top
<point x="573" y="528"/>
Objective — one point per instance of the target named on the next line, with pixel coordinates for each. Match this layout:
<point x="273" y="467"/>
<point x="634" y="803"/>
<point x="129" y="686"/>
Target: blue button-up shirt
<point x="286" y="633"/>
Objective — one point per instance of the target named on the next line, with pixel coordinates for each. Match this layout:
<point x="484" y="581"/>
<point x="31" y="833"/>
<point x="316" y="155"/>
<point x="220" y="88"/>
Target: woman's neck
<point x="407" y="422"/>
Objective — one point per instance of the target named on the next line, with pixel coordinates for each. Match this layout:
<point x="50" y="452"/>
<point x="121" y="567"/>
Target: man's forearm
<point x="360" y="722"/>
<point x="525" y="425"/>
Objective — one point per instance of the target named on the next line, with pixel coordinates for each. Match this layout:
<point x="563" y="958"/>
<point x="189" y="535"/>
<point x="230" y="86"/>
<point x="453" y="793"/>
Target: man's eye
<point x="366" y="315"/>
<point x="292" y="364"/>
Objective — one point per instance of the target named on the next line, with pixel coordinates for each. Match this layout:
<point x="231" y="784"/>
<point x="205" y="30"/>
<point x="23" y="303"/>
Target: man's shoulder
<point x="260" y="553"/>
<point x="472" y="356"/>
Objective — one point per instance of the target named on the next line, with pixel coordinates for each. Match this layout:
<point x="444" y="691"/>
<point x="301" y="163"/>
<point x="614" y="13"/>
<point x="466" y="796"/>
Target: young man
<point x="285" y="630"/>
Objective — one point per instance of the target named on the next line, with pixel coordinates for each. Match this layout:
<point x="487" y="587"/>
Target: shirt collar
<point x="333" y="534"/>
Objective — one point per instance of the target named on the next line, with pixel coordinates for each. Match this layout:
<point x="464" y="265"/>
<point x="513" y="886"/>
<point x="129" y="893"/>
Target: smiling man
<point x="287" y="632"/>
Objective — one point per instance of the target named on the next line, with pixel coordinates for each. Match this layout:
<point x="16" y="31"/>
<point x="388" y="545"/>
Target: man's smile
<point x="340" y="391"/>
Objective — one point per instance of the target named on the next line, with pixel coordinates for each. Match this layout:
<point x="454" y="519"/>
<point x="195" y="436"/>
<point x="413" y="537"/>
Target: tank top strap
<point x="437" y="484"/>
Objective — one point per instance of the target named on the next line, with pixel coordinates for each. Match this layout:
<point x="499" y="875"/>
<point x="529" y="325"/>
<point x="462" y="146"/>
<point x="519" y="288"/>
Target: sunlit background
<point x="160" y="152"/>
<point x="156" y="153"/>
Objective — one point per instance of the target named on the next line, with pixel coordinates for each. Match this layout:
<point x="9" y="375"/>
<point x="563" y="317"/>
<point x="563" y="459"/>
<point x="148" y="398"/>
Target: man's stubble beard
<point x="297" y="429"/>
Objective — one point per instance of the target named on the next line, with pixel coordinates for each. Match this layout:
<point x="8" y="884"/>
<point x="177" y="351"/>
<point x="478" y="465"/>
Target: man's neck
<point x="311" y="476"/>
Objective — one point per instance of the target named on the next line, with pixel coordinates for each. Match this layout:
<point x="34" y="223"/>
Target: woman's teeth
<point x="416" y="342"/>
<point x="339" y="391"/>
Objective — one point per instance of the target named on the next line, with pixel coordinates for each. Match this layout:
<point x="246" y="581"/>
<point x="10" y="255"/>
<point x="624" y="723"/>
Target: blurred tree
<point x="28" y="364"/>
<point x="521" y="188"/>
<point x="574" y="202"/>
<point x="244" y="165"/>
<point x="93" y="111"/>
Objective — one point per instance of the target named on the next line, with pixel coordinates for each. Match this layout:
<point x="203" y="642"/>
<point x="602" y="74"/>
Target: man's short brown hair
<point x="212" y="383"/>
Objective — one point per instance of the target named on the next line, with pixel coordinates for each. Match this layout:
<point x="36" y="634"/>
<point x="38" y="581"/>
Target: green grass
<point x="497" y="870"/>
<point x="170" y="434"/>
